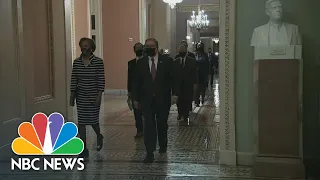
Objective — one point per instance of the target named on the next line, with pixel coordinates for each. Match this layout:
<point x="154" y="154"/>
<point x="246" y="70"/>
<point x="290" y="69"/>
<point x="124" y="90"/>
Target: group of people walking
<point x="155" y="82"/>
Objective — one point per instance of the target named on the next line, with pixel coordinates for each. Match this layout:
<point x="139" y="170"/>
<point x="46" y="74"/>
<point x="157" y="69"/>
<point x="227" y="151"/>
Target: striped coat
<point x="87" y="81"/>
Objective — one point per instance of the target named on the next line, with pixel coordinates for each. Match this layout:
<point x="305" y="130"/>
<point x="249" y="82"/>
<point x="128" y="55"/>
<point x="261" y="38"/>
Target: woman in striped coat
<point x="87" y="86"/>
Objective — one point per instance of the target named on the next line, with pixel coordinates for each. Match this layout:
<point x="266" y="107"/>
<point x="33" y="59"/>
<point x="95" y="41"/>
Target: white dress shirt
<point x="155" y="61"/>
<point x="137" y="58"/>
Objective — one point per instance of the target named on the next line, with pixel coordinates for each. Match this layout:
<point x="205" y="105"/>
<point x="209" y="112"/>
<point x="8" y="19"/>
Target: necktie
<point x="153" y="69"/>
<point x="182" y="62"/>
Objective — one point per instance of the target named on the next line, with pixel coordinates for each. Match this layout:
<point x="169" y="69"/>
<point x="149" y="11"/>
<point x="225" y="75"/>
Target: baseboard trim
<point x="278" y="167"/>
<point x="117" y="92"/>
<point x="228" y="158"/>
<point x="245" y="158"/>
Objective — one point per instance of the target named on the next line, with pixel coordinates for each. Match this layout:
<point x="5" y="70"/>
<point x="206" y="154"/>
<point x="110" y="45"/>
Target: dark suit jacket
<point x="190" y="54"/>
<point x="203" y="69"/>
<point x="132" y="66"/>
<point x="213" y="59"/>
<point x="187" y="75"/>
<point x="145" y="89"/>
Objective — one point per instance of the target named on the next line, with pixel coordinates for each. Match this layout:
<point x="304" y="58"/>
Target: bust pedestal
<point x="278" y="98"/>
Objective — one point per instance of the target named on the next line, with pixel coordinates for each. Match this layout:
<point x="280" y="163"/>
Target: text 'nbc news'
<point x="57" y="164"/>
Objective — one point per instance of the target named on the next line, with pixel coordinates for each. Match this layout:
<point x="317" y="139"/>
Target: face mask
<point x="139" y="52"/>
<point x="182" y="54"/>
<point x="200" y="49"/>
<point x="86" y="52"/>
<point x="151" y="51"/>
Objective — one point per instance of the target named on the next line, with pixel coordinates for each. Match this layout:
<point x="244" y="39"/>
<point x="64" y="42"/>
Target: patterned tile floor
<point x="193" y="149"/>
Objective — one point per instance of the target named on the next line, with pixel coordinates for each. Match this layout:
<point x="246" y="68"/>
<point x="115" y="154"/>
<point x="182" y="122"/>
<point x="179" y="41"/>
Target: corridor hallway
<point x="193" y="149"/>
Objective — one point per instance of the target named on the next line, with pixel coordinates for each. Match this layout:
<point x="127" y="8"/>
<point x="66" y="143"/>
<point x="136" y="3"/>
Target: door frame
<point x="95" y="8"/>
<point x="227" y="49"/>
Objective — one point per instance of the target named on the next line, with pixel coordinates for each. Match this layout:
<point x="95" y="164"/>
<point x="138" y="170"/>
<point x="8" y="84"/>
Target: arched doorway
<point x="226" y="74"/>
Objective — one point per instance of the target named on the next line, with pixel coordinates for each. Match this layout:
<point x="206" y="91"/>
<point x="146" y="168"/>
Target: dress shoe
<point x="138" y="135"/>
<point x="162" y="150"/>
<point x="149" y="158"/>
<point x="99" y="142"/>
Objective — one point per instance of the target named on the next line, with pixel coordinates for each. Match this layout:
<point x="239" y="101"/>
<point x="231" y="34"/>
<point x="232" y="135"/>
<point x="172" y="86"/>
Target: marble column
<point x="171" y="30"/>
<point x="143" y="17"/>
<point x="159" y="26"/>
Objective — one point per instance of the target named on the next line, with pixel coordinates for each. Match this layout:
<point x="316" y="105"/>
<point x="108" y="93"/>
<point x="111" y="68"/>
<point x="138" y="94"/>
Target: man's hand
<point x="136" y="104"/>
<point x="174" y="100"/>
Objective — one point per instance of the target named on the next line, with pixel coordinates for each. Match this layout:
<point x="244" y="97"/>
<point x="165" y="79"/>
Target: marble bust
<point x="275" y="32"/>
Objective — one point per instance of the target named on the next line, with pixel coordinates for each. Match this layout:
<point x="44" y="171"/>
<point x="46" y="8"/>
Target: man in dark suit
<point x="212" y="64"/>
<point x="186" y="68"/>
<point x="203" y="73"/>
<point x="132" y="71"/>
<point x="153" y="94"/>
<point x="185" y="43"/>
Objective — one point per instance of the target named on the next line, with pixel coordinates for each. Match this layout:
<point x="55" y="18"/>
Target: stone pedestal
<point x="277" y="83"/>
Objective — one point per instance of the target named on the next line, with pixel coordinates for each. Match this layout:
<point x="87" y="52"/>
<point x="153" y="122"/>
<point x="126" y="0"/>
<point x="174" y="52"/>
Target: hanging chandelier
<point x="172" y="3"/>
<point x="199" y="21"/>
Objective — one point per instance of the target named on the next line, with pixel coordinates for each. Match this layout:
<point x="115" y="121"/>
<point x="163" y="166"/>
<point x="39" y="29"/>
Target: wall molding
<point x="73" y="31"/>
<point x="228" y="157"/>
<point x="205" y="7"/>
<point x="245" y="158"/>
<point x="227" y="81"/>
<point x="12" y="121"/>
<point x="50" y="54"/>
<point x="117" y="92"/>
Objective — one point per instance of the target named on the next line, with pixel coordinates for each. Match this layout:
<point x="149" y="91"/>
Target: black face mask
<point x="139" y="52"/>
<point x="182" y="54"/>
<point x="200" y="49"/>
<point x="86" y="52"/>
<point x="150" y="51"/>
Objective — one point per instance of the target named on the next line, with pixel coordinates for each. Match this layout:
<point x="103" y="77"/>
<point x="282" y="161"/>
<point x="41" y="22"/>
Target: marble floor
<point x="193" y="149"/>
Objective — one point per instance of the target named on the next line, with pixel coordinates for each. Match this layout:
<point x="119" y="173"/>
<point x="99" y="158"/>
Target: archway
<point x="226" y="74"/>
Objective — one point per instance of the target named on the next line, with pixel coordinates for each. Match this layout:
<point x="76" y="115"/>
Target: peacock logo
<point x="47" y="136"/>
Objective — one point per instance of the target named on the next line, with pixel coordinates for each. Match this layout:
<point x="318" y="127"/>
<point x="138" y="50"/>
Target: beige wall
<point x="34" y="69"/>
<point x="120" y="21"/>
<point x="81" y="23"/>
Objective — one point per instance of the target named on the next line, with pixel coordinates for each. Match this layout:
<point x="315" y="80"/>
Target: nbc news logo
<point x="47" y="136"/>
